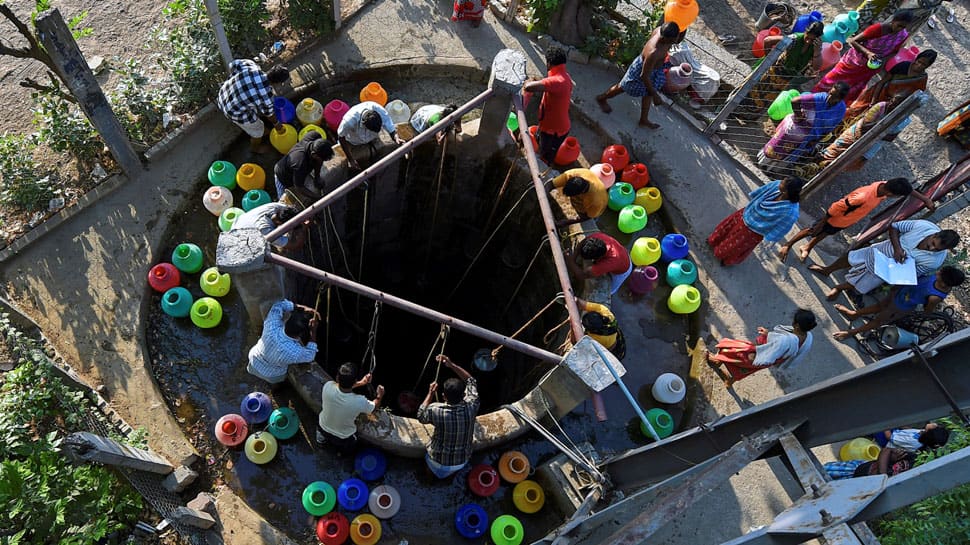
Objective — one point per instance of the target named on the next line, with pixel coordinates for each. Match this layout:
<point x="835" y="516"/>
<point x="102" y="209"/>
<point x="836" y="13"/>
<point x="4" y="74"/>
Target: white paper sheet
<point x="896" y="274"/>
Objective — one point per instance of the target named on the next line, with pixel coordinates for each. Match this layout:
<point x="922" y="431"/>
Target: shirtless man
<point x="646" y="77"/>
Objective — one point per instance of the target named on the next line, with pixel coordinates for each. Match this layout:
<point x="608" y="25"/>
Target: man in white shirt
<point x="340" y="407"/>
<point x="361" y="125"/>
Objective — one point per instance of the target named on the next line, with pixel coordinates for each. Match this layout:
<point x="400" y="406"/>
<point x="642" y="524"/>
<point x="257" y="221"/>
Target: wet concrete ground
<point x="202" y="375"/>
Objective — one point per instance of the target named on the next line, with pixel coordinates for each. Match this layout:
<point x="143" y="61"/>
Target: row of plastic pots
<point x="471" y="521"/>
<point x="224" y="177"/>
<point x="178" y="302"/>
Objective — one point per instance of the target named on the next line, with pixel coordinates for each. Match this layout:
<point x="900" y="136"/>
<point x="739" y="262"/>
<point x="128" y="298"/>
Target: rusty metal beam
<point x="414" y="308"/>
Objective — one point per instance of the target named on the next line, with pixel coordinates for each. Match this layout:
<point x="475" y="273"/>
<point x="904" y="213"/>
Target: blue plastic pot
<point x="284" y="109"/>
<point x="471" y="521"/>
<point x="256" y="407"/>
<point x="370" y="464"/>
<point x="681" y="271"/>
<point x="673" y="246"/>
<point x="352" y="494"/>
<point x="177" y="302"/>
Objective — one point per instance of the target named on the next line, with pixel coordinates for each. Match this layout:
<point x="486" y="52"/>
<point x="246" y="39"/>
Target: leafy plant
<point x="21" y="183"/>
<point x="243" y="21"/>
<point x="140" y="104"/>
<point x="44" y="498"/>
<point x="64" y="128"/>
<point x="940" y="520"/>
<point x="311" y="16"/>
<point x="191" y="55"/>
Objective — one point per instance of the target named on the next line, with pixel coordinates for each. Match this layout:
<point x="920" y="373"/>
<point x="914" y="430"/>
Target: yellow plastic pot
<point x="528" y="496"/>
<point x="282" y="141"/>
<point x="251" y="176"/>
<point x="206" y="312"/>
<point x="213" y="283"/>
<point x="646" y="251"/>
<point x="859" y="449"/>
<point x="311" y="127"/>
<point x="684" y="299"/>
<point x="365" y="530"/>
<point x="649" y="198"/>
<point x="260" y="447"/>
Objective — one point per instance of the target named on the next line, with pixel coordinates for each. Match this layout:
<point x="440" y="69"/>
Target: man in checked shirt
<point x="247" y="97"/>
<point x="453" y="421"/>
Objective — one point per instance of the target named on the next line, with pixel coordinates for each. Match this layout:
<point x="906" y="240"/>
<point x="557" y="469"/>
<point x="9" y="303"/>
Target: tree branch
<point x="54" y="88"/>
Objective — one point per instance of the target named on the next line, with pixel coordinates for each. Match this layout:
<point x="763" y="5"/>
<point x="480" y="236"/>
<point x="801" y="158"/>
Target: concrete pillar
<point x="212" y="7"/>
<point x="241" y="253"/>
<point x="507" y="77"/>
<point x="63" y="50"/>
<point x="94" y="448"/>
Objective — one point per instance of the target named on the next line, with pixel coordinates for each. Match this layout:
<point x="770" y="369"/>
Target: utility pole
<point x="212" y="6"/>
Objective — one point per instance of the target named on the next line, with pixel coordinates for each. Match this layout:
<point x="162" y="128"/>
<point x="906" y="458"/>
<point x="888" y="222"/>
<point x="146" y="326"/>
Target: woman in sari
<point x="788" y="71"/>
<point x="851" y="135"/>
<point x="872" y="47"/>
<point x="782" y="346"/>
<point x="813" y="116"/>
<point x="904" y="77"/>
<point x="771" y="213"/>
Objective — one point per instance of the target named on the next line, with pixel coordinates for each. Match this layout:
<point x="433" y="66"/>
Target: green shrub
<point x="243" y="21"/>
<point x="64" y="128"/>
<point x="190" y="54"/>
<point x="140" y="104"/>
<point x="311" y="16"/>
<point x="940" y="520"/>
<point x="44" y="498"/>
<point x="21" y="183"/>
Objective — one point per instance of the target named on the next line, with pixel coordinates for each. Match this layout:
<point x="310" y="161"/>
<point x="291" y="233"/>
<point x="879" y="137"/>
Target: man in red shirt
<point x="556" y="89"/>
<point x="600" y="254"/>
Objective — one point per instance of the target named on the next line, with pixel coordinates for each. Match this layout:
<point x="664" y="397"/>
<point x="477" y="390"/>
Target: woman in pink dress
<point x="872" y="47"/>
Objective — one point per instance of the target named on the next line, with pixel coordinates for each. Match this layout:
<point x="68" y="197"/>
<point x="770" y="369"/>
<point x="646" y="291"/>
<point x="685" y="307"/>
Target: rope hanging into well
<point x="515" y="292"/>
<point x="370" y="352"/>
<point x="437" y="195"/>
<point x="443" y="337"/>
<point x="530" y="322"/>
<point x="363" y="239"/>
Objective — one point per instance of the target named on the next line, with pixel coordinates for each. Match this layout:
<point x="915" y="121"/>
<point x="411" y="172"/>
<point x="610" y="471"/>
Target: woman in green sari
<point x="788" y="72"/>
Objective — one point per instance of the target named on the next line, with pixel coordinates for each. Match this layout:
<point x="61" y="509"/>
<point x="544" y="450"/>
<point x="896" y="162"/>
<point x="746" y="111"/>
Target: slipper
<point x="931" y="22"/>
<point x="727" y="39"/>
<point x="950" y="16"/>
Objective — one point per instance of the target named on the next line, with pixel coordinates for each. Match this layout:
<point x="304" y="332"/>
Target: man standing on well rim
<point x="247" y="97"/>
<point x="453" y="421"/>
<point x="556" y="89"/>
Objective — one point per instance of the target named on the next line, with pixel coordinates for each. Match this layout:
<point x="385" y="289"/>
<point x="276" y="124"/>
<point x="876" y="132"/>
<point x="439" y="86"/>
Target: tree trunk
<point x="571" y="24"/>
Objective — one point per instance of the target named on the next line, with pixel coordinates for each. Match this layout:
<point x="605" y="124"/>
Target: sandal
<point x="950" y="16"/>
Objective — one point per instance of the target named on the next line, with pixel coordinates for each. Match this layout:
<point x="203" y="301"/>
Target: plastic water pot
<point x="284" y="110"/>
<point x="483" y="480"/>
<point x="507" y="530"/>
<point x="256" y="407"/>
<point x="681" y="271"/>
<point x="399" y="111"/>
<point x="163" y="277"/>
<point x="206" y="313"/>
<point x="254" y="198"/>
<point x="632" y="218"/>
<point x="646" y="251"/>
<point x="373" y="92"/>
<point x="512" y="123"/>
<point x="283" y="423"/>
<point x="674" y="246"/>
<point x="513" y="466"/>
<point x="835" y="31"/>
<point x="678" y="78"/>
<point x="850" y="20"/>
<point x="251" y="176"/>
<point x="568" y="152"/>
<point x="682" y="12"/>
<point x="282" y="141"/>
<point x="831" y="53"/>
<point x="231" y="430"/>
<point x="471" y="521"/>
<point x="684" y="299"/>
<point x="187" y="257"/>
<point x="643" y="280"/>
<point x="333" y="112"/>
<point x="261" y="448"/>
<point x="781" y="106"/>
<point x="229" y="217"/>
<point x="649" y="198"/>
<point x="308" y="128"/>
<point x="533" y="136"/>
<point x="669" y="388"/>
<point x="384" y="501"/>
<point x="177" y="302"/>
<point x="859" y="448"/>
<point x="223" y="173"/>
<point x="213" y="283"/>
<point x="906" y="54"/>
<point x="616" y="156"/>
<point x="365" y="530"/>
<point x="309" y="112"/>
<point x="637" y="175"/>
<point x="758" y="47"/>
<point x="333" y="529"/>
<point x="661" y="421"/>
<point x="605" y="172"/>
<point x="352" y="494"/>
<point x="370" y="464"/>
<point x="621" y="194"/>
<point x="319" y="498"/>
<point x="802" y="22"/>
<point x="528" y="497"/>
<point x="217" y="199"/>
